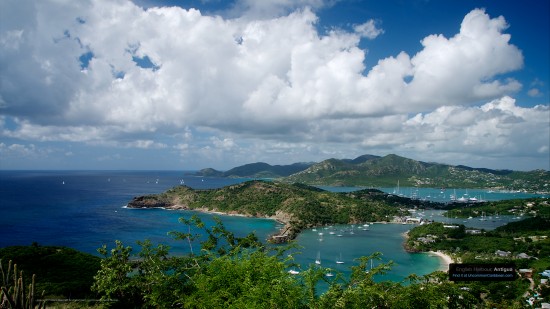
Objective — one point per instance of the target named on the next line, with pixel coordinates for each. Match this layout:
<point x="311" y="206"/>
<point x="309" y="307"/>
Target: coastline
<point x="285" y="234"/>
<point x="445" y="259"/>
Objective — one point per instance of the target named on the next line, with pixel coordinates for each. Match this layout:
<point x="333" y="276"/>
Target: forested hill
<point x="297" y="205"/>
<point x="388" y="170"/>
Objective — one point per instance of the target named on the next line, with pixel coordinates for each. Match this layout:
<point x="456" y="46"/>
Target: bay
<point x="446" y="195"/>
<point x="85" y="209"/>
<point x="346" y="243"/>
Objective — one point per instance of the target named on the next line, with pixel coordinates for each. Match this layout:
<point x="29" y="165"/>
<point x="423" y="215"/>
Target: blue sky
<point x="184" y="85"/>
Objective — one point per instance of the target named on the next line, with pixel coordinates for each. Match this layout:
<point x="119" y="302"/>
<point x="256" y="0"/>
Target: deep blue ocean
<point x="85" y="209"/>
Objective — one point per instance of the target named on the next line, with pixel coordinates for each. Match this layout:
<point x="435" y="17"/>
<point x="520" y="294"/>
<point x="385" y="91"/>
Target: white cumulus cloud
<point x="368" y="29"/>
<point x="113" y="73"/>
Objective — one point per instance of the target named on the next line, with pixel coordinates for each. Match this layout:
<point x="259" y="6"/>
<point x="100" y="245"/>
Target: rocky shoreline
<point x="284" y="235"/>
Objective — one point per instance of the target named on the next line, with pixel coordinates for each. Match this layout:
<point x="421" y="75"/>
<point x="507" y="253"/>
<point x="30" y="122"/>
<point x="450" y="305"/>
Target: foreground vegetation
<point x="232" y="272"/>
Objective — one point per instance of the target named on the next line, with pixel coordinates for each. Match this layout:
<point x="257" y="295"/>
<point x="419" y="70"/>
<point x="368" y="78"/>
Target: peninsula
<point x="297" y="206"/>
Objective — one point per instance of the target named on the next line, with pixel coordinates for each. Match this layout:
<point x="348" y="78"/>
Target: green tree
<point x="113" y="280"/>
<point x="153" y="278"/>
<point x="250" y="279"/>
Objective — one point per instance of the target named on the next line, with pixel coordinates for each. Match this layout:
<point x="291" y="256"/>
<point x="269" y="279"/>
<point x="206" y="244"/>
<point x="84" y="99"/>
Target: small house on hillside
<point x="413" y="220"/>
<point x="526" y="272"/>
<point x="523" y="256"/>
<point x="426" y="240"/>
<point x="501" y="253"/>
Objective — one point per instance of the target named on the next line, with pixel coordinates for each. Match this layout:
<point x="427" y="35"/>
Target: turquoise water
<point x="445" y="195"/>
<point x="350" y="242"/>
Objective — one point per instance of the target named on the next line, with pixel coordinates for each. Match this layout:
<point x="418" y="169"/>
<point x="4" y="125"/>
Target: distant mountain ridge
<point x="257" y="170"/>
<point x="386" y="171"/>
<point x="376" y="171"/>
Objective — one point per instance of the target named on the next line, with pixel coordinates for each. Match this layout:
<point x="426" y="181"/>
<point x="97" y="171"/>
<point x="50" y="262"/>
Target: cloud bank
<point x="114" y="74"/>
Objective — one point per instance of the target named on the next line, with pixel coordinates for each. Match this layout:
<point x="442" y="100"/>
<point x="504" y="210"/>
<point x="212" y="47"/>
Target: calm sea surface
<point x="84" y="210"/>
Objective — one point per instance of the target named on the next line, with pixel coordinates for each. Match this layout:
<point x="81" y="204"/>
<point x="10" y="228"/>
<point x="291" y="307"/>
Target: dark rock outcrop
<point x="147" y="202"/>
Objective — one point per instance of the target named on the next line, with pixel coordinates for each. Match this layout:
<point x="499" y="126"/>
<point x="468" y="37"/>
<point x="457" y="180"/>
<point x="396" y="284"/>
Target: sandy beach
<point x="445" y="259"/>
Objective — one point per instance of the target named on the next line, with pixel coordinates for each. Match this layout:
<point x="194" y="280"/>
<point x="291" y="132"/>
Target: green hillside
<point x="388" y="170"/>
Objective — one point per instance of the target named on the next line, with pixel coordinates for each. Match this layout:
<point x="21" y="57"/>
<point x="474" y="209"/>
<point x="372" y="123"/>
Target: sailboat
<point x="318" y="260"/>
<point x="453" y="196"/>
<point x="396" y="190"/>
<point x="340" y="261"/>
<point x="293" y="272"/>
<point x="329" y="274"/>
<point x="464" y="197"/>
<point x="368" y="270"/>
<point x="483" y="216"/>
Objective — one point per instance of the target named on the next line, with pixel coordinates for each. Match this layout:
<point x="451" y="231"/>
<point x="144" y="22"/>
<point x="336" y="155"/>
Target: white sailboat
<point x="396" y="190"/>
<point x="472" y="199"/>
<point x="368" y="270"/>
<point x="318" y="260"/>
<point x="464" y="197"/>
<point x="340" y="261"/>
<point x="483" y="216"/>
